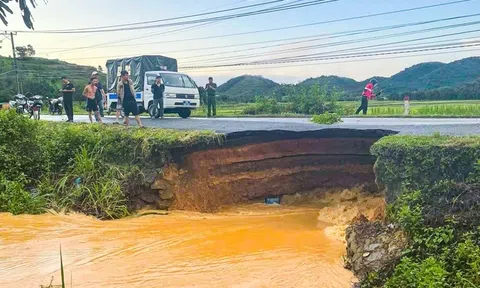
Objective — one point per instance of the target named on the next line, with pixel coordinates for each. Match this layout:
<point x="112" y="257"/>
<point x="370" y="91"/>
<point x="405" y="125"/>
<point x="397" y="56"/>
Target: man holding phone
<point x="157" y="89"/>
<point x="211" y="93"/>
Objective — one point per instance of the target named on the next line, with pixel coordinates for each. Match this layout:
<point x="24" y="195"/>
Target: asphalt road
<point x="414" y="126"/>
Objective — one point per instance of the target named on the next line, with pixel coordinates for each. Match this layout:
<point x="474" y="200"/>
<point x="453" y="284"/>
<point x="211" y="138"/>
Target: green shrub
<point x="20" y="153"/>
<point x="327" y="118"/>
<point x="429" y="273"/>
<point x="16" y="200"/>
<point x="409" y="163"/>
<point x="263" y="106"/>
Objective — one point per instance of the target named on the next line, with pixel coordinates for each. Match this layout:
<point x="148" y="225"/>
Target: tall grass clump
<point x="90" y="186"/>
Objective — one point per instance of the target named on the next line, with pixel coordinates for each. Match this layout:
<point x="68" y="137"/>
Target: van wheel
<point x="150" y="112"/>
<point x="185" y="113"/>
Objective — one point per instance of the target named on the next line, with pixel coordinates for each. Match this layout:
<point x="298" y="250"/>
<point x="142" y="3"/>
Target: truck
<point x="181" y="94"/>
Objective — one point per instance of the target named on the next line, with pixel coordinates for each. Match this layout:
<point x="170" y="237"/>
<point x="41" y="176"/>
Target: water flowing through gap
<point x="245" y="243"/>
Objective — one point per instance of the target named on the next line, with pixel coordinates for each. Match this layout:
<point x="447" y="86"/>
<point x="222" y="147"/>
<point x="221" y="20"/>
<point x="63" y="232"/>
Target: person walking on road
<point x="367" y="95"/>
<point x="68" y="89"/>
<point x="157" y="89"/>
<point x="126" y="92"/>
<point x="100" y="95"/>
<point x="92" y="105"/>
<point x="211" y="101"/>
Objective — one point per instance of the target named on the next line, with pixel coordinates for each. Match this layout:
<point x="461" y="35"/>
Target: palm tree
<point x="23" y="5"/>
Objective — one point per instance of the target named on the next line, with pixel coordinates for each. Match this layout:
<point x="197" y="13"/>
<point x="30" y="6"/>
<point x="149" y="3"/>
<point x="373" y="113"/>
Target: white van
<point x="181" y="94"/>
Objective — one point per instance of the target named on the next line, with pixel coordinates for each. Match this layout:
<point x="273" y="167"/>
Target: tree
<point x="100" y="69"/>
<point x="26" y="14"/>
<point x="23" y="52"/>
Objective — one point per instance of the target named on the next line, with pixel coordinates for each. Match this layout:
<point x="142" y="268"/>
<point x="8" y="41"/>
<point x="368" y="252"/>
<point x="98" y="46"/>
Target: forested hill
<point x="41" y="76"/>
<point x="421" y="77"/>
<point x="245" y="88"/>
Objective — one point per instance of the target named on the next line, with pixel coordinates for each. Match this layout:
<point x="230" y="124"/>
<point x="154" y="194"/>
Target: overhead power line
<point x="127" y="27"/>
<point x="316" y="63"/>
<point x="344" y="56"/>
<point x="108" y="44"/>
<point x="310" y="38"/>
<point x="365" y="16"/>
<point x="355" y="41"/>
<point x="170" y="19"/>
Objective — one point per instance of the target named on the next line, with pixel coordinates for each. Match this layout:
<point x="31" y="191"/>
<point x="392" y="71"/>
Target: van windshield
<point x="177" y="80"/>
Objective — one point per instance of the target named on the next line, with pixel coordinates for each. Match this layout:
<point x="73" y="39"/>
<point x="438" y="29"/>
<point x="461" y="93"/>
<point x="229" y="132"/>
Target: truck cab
<point x="181" y="94"/>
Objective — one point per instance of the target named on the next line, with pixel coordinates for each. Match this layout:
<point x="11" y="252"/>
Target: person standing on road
<point x="367" y="95"/>
<point x="158" y="88"/>
<point x="211" y="101"/>
<point x="68" y="89"/>
<point x="92" y="105"/>
<point x="126" y="92"/>
<point x="100" y="95"/>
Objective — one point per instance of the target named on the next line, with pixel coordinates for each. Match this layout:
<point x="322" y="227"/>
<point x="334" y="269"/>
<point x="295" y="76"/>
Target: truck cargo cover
<point x="137" y="66"/>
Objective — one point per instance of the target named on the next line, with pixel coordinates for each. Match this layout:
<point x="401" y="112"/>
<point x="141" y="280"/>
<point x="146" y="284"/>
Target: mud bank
<point x="253" y="165"/>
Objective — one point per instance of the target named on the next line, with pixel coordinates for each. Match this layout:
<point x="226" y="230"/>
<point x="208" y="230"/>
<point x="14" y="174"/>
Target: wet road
<point x="414" y="126"/>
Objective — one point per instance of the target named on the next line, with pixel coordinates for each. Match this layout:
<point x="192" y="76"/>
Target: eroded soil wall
<point x="258" y="164"/>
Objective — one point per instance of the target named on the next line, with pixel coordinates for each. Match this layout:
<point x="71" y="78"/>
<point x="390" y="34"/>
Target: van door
<point x="147" y="89"/>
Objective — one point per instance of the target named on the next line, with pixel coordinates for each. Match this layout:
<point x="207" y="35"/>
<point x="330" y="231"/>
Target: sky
<point x="71" y="14"/>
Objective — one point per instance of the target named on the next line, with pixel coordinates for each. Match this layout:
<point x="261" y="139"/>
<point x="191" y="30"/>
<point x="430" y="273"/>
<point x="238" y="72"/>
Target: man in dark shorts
<point x="100" y="95"/>
<point x="126" y="92"/>
<point x="92" y="105"/>
<point x="68" y="89"/>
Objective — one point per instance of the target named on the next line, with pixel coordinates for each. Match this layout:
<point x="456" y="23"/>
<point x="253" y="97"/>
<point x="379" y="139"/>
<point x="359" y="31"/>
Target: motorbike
<point x="56" y="106"/>
<point x="35" y="105"/>
<point x="19" y="103"/>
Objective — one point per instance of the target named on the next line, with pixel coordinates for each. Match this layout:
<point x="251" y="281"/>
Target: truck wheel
<point x="150" y="112"/>
<point x="184" y="113"/>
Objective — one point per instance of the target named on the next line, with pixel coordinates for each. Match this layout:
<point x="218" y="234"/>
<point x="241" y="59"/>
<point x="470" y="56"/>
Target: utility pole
<point x="15" y="67"/>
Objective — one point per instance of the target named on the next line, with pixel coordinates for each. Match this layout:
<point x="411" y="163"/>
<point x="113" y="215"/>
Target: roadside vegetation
<point x="433" y="189"/>
<point x="86" y="168"/>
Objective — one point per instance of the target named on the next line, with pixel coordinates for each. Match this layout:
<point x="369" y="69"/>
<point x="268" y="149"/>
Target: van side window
<point x="151" y="79"/>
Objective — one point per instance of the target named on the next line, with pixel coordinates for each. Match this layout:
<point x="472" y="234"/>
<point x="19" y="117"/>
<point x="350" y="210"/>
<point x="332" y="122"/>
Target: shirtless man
<point x="92" y="106"/>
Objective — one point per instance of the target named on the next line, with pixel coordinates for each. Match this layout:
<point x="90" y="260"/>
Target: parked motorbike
<point x="35" y="105"/>
<point x="19" y="103"/>
<point x="56" y="106"/>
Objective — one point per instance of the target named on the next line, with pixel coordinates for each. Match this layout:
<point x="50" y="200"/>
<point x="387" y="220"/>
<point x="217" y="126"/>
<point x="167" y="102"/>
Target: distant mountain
<point x="420" y="77"/>
<point x="245" y="88"/>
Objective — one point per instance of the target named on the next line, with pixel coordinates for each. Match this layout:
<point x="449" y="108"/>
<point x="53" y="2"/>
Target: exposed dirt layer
<point x="254" y="165"/>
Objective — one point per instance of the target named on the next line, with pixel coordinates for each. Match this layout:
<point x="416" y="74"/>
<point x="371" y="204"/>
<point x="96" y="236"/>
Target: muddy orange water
<point x="248" y="246"/>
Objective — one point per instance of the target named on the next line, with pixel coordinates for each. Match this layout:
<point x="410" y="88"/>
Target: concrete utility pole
<point x="15" y="67"/>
